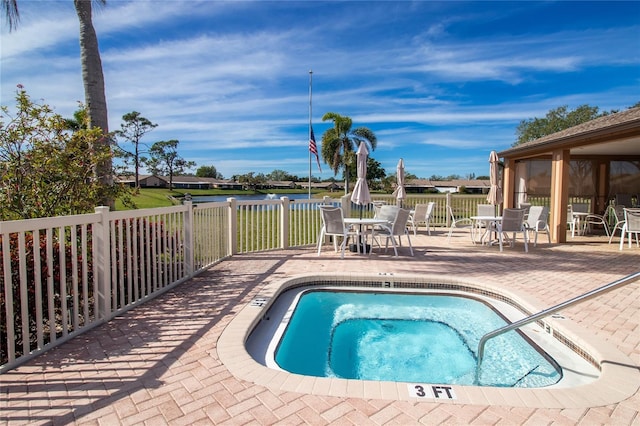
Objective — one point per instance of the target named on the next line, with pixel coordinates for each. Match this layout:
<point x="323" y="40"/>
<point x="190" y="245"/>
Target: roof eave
<point x="619" y="131"/>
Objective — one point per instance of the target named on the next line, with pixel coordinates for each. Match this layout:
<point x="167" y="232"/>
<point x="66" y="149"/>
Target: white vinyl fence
<point x="61" y="276"/>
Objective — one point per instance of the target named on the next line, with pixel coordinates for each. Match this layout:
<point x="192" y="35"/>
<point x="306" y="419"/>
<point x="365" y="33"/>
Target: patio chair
<point x="536" y="222"/>
<point x="333" y="225"/>
<point x="595" y="219"/>
<point x="631" y="226"/>
<point x="386" y="212"/>
<point x="525" y="206"/>
<point x="617" y="214"/>
<point x="422" y="214"/>
<point x="377" y="205"/>
<point x="512" y="222"/>
<point x="397" y="228"/>
<point x="463" y="222"/>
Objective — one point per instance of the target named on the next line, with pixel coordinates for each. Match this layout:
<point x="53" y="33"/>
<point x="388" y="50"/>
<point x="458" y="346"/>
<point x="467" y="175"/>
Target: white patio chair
<point x="397" y="228"/>
<point x="388" y="213"/>
<point x="525" y="206"/>
<point x="595" y="219"/>
<point x="631" y="226"/>
<point x="376" y="206"/>
<point x="571" y="220"/>
<point x="536" y="222"/>
<point x="463" y="222"/>
<point x="422" y="214"/>
<point x="512" y="222"/>
<point x="333" y="225"/>
<point x="617" y="212"/>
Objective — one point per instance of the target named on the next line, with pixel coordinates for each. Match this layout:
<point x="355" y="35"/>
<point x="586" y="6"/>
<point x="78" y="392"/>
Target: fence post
<point x="448" y="204"/>
<point x="345" y="203"/>
<point x="102" y="259"/>
<point x="233" y="226"/>
<point x="188" y="238"/>
<point x="284" y="222"/>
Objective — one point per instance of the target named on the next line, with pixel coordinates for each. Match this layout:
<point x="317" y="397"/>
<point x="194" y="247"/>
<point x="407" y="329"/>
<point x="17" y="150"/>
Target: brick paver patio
<point x="158" y="363"/>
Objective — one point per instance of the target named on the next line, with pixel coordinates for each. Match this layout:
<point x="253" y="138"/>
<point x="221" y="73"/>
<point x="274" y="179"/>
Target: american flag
<point x="314" y="148"/>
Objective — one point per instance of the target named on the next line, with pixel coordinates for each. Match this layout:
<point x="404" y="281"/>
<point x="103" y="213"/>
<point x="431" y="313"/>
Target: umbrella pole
<point x="360" y="245"/>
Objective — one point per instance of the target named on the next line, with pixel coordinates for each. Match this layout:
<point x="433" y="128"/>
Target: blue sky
<point x="440" y="83"/>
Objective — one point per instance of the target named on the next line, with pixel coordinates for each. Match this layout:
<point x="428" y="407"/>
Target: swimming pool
<point x="594" y="372"/>
<point x="409" y="337"/>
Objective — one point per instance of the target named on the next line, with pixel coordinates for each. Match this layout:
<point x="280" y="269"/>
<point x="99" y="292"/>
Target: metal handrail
<point x="578" y="299"/>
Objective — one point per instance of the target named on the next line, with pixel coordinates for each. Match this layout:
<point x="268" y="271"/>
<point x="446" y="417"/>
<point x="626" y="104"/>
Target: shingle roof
<point x="612" y="123"/>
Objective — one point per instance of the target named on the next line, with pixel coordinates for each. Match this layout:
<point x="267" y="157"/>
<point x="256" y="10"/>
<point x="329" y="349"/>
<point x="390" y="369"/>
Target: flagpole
<point x="310" y="111"/>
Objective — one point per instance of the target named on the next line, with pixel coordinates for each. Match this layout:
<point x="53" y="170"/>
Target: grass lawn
<point x="162" y="197"/>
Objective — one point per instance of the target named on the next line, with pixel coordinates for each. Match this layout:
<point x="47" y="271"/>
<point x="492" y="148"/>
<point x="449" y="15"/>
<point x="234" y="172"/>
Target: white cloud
<point x="226" y="83"/>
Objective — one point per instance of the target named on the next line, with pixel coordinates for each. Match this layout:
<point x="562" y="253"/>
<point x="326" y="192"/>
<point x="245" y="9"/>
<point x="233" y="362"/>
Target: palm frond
<point x="11" y="13"/>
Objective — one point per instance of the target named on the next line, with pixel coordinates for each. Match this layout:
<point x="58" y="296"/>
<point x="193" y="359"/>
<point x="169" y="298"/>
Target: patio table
<point x="487" y="220"/>
<point x="580" y="222"/>
<point x="366" y="223"/>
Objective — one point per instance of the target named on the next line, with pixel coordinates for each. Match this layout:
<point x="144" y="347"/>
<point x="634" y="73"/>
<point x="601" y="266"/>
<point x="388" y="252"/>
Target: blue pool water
<point x="407" y="338"/>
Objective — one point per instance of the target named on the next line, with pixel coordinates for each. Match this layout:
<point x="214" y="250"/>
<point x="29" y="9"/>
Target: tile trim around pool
<point x="619" y="378"/>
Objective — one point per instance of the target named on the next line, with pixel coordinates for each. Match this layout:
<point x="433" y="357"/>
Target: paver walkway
<point x="158" y="363"/>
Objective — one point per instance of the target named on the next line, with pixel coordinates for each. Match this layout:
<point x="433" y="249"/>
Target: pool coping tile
<point x="619" y="381"/>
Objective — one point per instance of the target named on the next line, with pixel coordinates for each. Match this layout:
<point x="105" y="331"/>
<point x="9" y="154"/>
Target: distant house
<point x="473" y="186"/>
<point x="325" y="186"/>
<point x="191" y="182"/>
<point x="179" y="182"/>
<point x="226" y="184"/>
<point x="277" y="184"/>
<point x="145" y="181"/>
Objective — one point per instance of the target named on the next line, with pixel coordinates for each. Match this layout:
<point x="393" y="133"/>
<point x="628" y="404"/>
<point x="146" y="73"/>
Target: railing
<point x="464" y="205"/>
<point x="62" y="276"/>
<point x="528" y="320"/>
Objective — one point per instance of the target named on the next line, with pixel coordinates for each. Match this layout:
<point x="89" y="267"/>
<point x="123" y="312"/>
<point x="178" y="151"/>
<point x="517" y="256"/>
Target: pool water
<point x="407" y="338"/>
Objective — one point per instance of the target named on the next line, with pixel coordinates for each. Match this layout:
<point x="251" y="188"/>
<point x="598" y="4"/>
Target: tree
<point x="79" y="120"/>
<point x="441" y="178"/>
<point x="164" y="160"/>
<point x="208" y="171"/>
<point x="252" y="180"/>
<point x="340" y="142"/>
<point x="281" y="175"/>
<point x="375" y="173"/>
<point x="133" y="128"/>
<point x="45" y="169"/>
<point x="556" y="120"/>
<point x="93" y="80"/>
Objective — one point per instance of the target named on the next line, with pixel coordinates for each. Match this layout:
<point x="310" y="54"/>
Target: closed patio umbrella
<point x="400" y="193"/>
<point x="495" y="193"/>
<point x="360" y="194"/>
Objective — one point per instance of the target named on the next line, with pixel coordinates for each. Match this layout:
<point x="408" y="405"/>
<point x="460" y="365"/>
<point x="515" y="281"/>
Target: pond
<point x="216" y="198"/>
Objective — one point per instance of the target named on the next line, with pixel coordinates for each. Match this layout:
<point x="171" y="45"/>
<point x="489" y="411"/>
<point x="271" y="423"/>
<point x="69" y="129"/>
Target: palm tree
<point x="92" y="76"/>
<point x="340" y="143"/>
